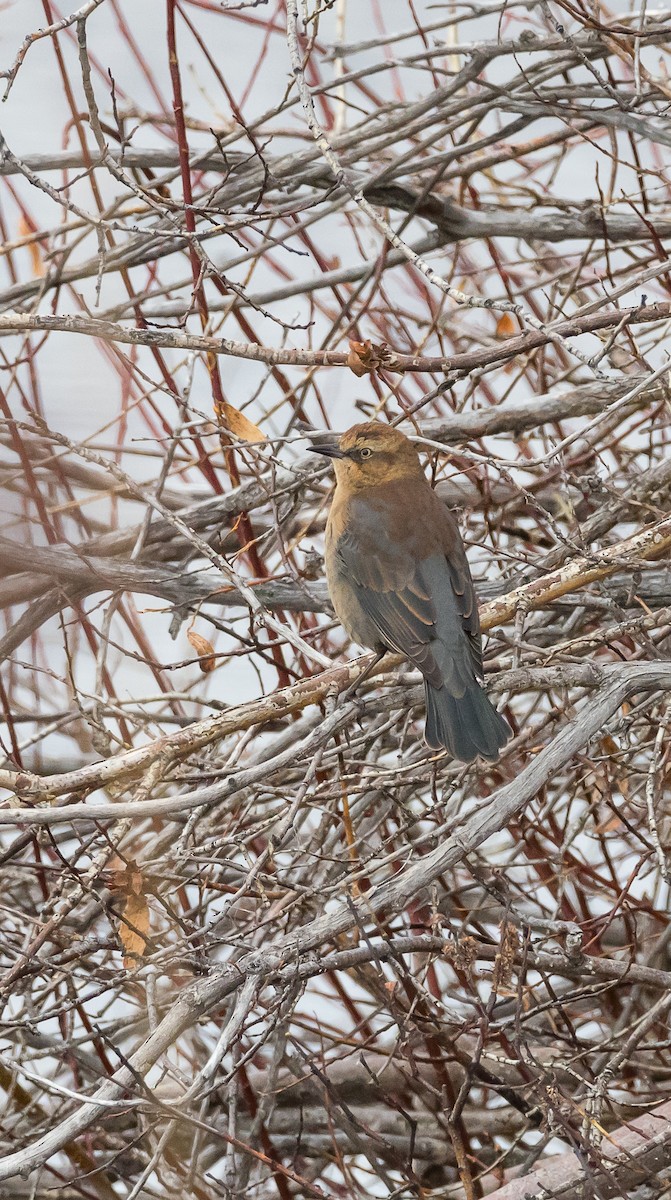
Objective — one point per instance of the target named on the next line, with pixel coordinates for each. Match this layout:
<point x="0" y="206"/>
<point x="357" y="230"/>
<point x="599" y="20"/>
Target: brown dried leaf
<point x="609" y="826"/>
<point x="135" y="882"/>
<point x="359" y="357"/>
<point x="27" y="230"/>
<point x="116" y="874"/>
<point x="505" y="959"/>
<point x="204" y="650"/>
<point x="238" y="424"/>
<point x="366" y="357"/>
<point x="134" y="917"/>
<point x="461" y="953"/>
<point x="505" y="326"/>
<point x="134" y="927"/>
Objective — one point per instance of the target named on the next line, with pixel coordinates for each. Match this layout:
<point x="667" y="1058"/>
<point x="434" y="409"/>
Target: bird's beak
<point x="330" y="449"/>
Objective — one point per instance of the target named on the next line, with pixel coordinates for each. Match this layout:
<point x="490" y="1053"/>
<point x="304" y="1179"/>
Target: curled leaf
<point x="134" y="928"/>
<point x="358" y="359"/>
<point x="365" y="357"/>
<point x="26" y="230"/>
<point x="505" y="959"/>
<point x="204" y="650"/>
<point x="129" y="887"/>
<point x="505" y="326"/>
<point x="239" y="424"/>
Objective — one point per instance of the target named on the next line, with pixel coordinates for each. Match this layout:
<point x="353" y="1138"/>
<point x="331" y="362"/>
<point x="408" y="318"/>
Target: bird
<point x="399" y="580"/>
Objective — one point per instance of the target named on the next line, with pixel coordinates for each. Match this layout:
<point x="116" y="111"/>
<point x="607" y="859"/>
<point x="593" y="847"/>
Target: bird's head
<point x="370" y="454"/>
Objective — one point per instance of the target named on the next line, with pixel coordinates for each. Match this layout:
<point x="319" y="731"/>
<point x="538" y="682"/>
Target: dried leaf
<point x="134" y="927"/>
<point x="204" y="650"/>
<point x="505" y="326"/>
<point x="239" y="425"/>
<point x="364" y="357"/>
<point x="462" y="953"/>
<point x="359" y="353"/>
<point x="27" y="230"/>
<point x="129" y="886"/>
<point x="505" y="959"/>
<point x="136" y="883"/>
<point x="609" y="826"/>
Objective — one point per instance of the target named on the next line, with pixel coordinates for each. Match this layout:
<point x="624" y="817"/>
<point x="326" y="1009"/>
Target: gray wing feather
<point x="419" y="616"/>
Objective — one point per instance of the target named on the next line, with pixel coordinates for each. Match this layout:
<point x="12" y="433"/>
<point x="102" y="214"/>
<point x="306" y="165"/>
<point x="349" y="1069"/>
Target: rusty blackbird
<point x="399" y="580"/>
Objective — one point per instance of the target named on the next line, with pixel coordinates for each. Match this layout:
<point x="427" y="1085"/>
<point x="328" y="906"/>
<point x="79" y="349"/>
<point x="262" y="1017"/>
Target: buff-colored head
<point x="370" y="454"/>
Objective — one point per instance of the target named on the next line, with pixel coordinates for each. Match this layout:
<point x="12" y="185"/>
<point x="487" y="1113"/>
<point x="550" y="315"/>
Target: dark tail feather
<point x="467" y="726"/>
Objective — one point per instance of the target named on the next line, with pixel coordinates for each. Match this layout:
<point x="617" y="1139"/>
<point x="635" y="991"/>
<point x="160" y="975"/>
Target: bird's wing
<point x="412" y="580"/>
<point x="467" y="604"/>
<point x="405" y="620"/>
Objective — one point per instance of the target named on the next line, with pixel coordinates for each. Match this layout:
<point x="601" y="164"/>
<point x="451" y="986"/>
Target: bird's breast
<point x="344" y="588"/>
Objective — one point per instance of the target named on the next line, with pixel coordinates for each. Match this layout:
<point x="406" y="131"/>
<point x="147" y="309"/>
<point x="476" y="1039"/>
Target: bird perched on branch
<point x="399" y="580"/>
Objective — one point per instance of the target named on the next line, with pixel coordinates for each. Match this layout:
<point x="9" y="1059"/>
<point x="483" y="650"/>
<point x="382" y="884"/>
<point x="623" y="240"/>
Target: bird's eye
<point x="366" y="452"/>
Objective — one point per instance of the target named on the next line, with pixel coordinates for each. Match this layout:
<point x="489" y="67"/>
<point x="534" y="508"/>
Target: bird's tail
<point x="467" y="725"/>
